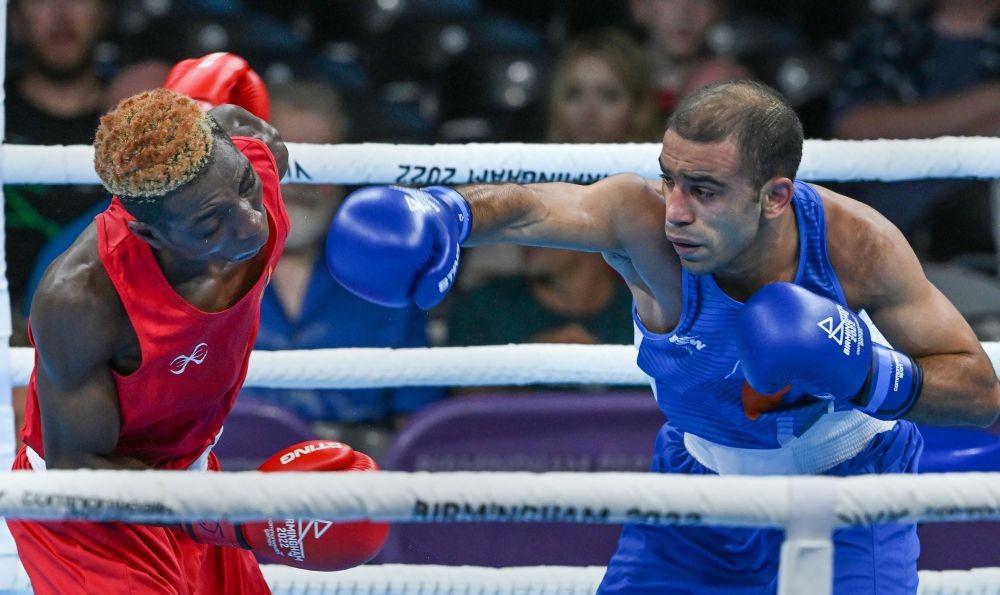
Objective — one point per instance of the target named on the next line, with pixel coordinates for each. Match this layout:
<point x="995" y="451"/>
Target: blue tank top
<point x="695" y="370"/>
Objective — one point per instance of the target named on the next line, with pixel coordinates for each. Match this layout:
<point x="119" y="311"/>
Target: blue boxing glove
<point x="788" y="336"/>
<point x="397" y="246"/>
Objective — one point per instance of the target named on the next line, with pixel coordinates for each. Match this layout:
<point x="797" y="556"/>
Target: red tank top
<point x="193" y="362"/>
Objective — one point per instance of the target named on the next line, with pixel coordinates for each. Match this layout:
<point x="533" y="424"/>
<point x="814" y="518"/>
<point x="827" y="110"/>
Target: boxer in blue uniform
<point x="748" y="293"/>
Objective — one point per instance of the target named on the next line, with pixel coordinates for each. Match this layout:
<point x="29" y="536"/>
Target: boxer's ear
<point x="775" y="196"/>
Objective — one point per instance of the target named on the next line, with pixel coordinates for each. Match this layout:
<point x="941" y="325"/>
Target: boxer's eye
<point x="211" y="228"/>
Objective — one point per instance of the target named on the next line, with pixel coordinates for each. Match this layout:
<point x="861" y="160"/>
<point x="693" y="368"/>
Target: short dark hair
<point x="767" y="130"/>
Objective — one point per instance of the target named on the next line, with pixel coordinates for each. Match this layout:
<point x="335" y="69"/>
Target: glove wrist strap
<point x="217" y="533"/>
<point x="893" y="385"/>
<point x="458" y="205"/>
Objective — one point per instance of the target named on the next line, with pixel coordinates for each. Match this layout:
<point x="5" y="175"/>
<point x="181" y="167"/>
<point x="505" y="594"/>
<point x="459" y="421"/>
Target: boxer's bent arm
<point x="596" y="217"/>
<point x="237" y="121"/>
<point x="75" y="328"/>
<point x="959" y="383"/>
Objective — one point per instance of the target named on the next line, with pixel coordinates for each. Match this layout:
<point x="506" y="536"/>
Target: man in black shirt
<point x="54" y="97"/>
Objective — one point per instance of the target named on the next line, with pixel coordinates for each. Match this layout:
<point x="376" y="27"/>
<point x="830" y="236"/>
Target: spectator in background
<point x="560" y="296"/>
<point x="130" y="80"/>
<point x="924" y="75"/>
<point x="599" y="93"/>
<point x="304" y="308"/>
<point x="54" y="97"/>
<point x="136" y="78"/>
<point x="677" y="32"/>
<point x="929" y="73"/>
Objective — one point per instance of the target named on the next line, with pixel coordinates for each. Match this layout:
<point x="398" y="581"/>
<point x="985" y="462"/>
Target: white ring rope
<point x="489" y="365"/>
<point x="403" y="579"/>
<point x="398" y="579"/>
<point x="170" y="497"/>
<point x="376" y="163"/>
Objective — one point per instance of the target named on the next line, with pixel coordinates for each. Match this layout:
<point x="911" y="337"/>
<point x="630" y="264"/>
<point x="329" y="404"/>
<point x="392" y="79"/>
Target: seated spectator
<point x="560" y="296"/>
<point x="130" y="80"/>
<point x="598" y="94"/>
<point x="930" y="73"/>
<point x="923" y="75"/>
<point x="54" y="96"/>
<point x="135" y="78"/>
<point x="304" y="308"/>
<point x="677" y="31"/>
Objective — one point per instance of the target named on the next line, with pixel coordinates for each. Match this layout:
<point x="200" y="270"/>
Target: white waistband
<point x="199" y="464"/>
<point x="37" y="462"/>
<point x="833" y="439"/>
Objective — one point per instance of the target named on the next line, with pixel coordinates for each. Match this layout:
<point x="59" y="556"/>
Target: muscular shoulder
<point x="76" y="309"/>
<point x="73" y="272"/>
<point x="636" y="202"/>
<point x="871" y="257"/>
<point x="633" y="187"/>
<point x="645" y="259"/>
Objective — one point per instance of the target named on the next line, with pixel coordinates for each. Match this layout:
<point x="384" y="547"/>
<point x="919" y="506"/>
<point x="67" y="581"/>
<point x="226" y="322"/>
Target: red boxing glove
<point x="220" y="78"/>
<point x="311" y="544"/>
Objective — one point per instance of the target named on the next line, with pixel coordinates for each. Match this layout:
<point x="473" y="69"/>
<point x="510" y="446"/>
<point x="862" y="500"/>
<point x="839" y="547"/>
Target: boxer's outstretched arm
<point x="598" y="217"/>
<point x="76" y="325"/>
<point x="959" y="383"/>
<point x="395" y="246"/>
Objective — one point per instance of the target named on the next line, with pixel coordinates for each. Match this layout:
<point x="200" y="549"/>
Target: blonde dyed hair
<point x="152" y="143"/>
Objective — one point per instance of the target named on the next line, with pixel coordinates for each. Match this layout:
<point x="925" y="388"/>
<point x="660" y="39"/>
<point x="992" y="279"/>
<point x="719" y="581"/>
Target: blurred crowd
<point x="426" y="71"/>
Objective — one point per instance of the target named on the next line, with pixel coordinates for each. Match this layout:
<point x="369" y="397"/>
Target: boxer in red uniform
<point x="143" y="330"/>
